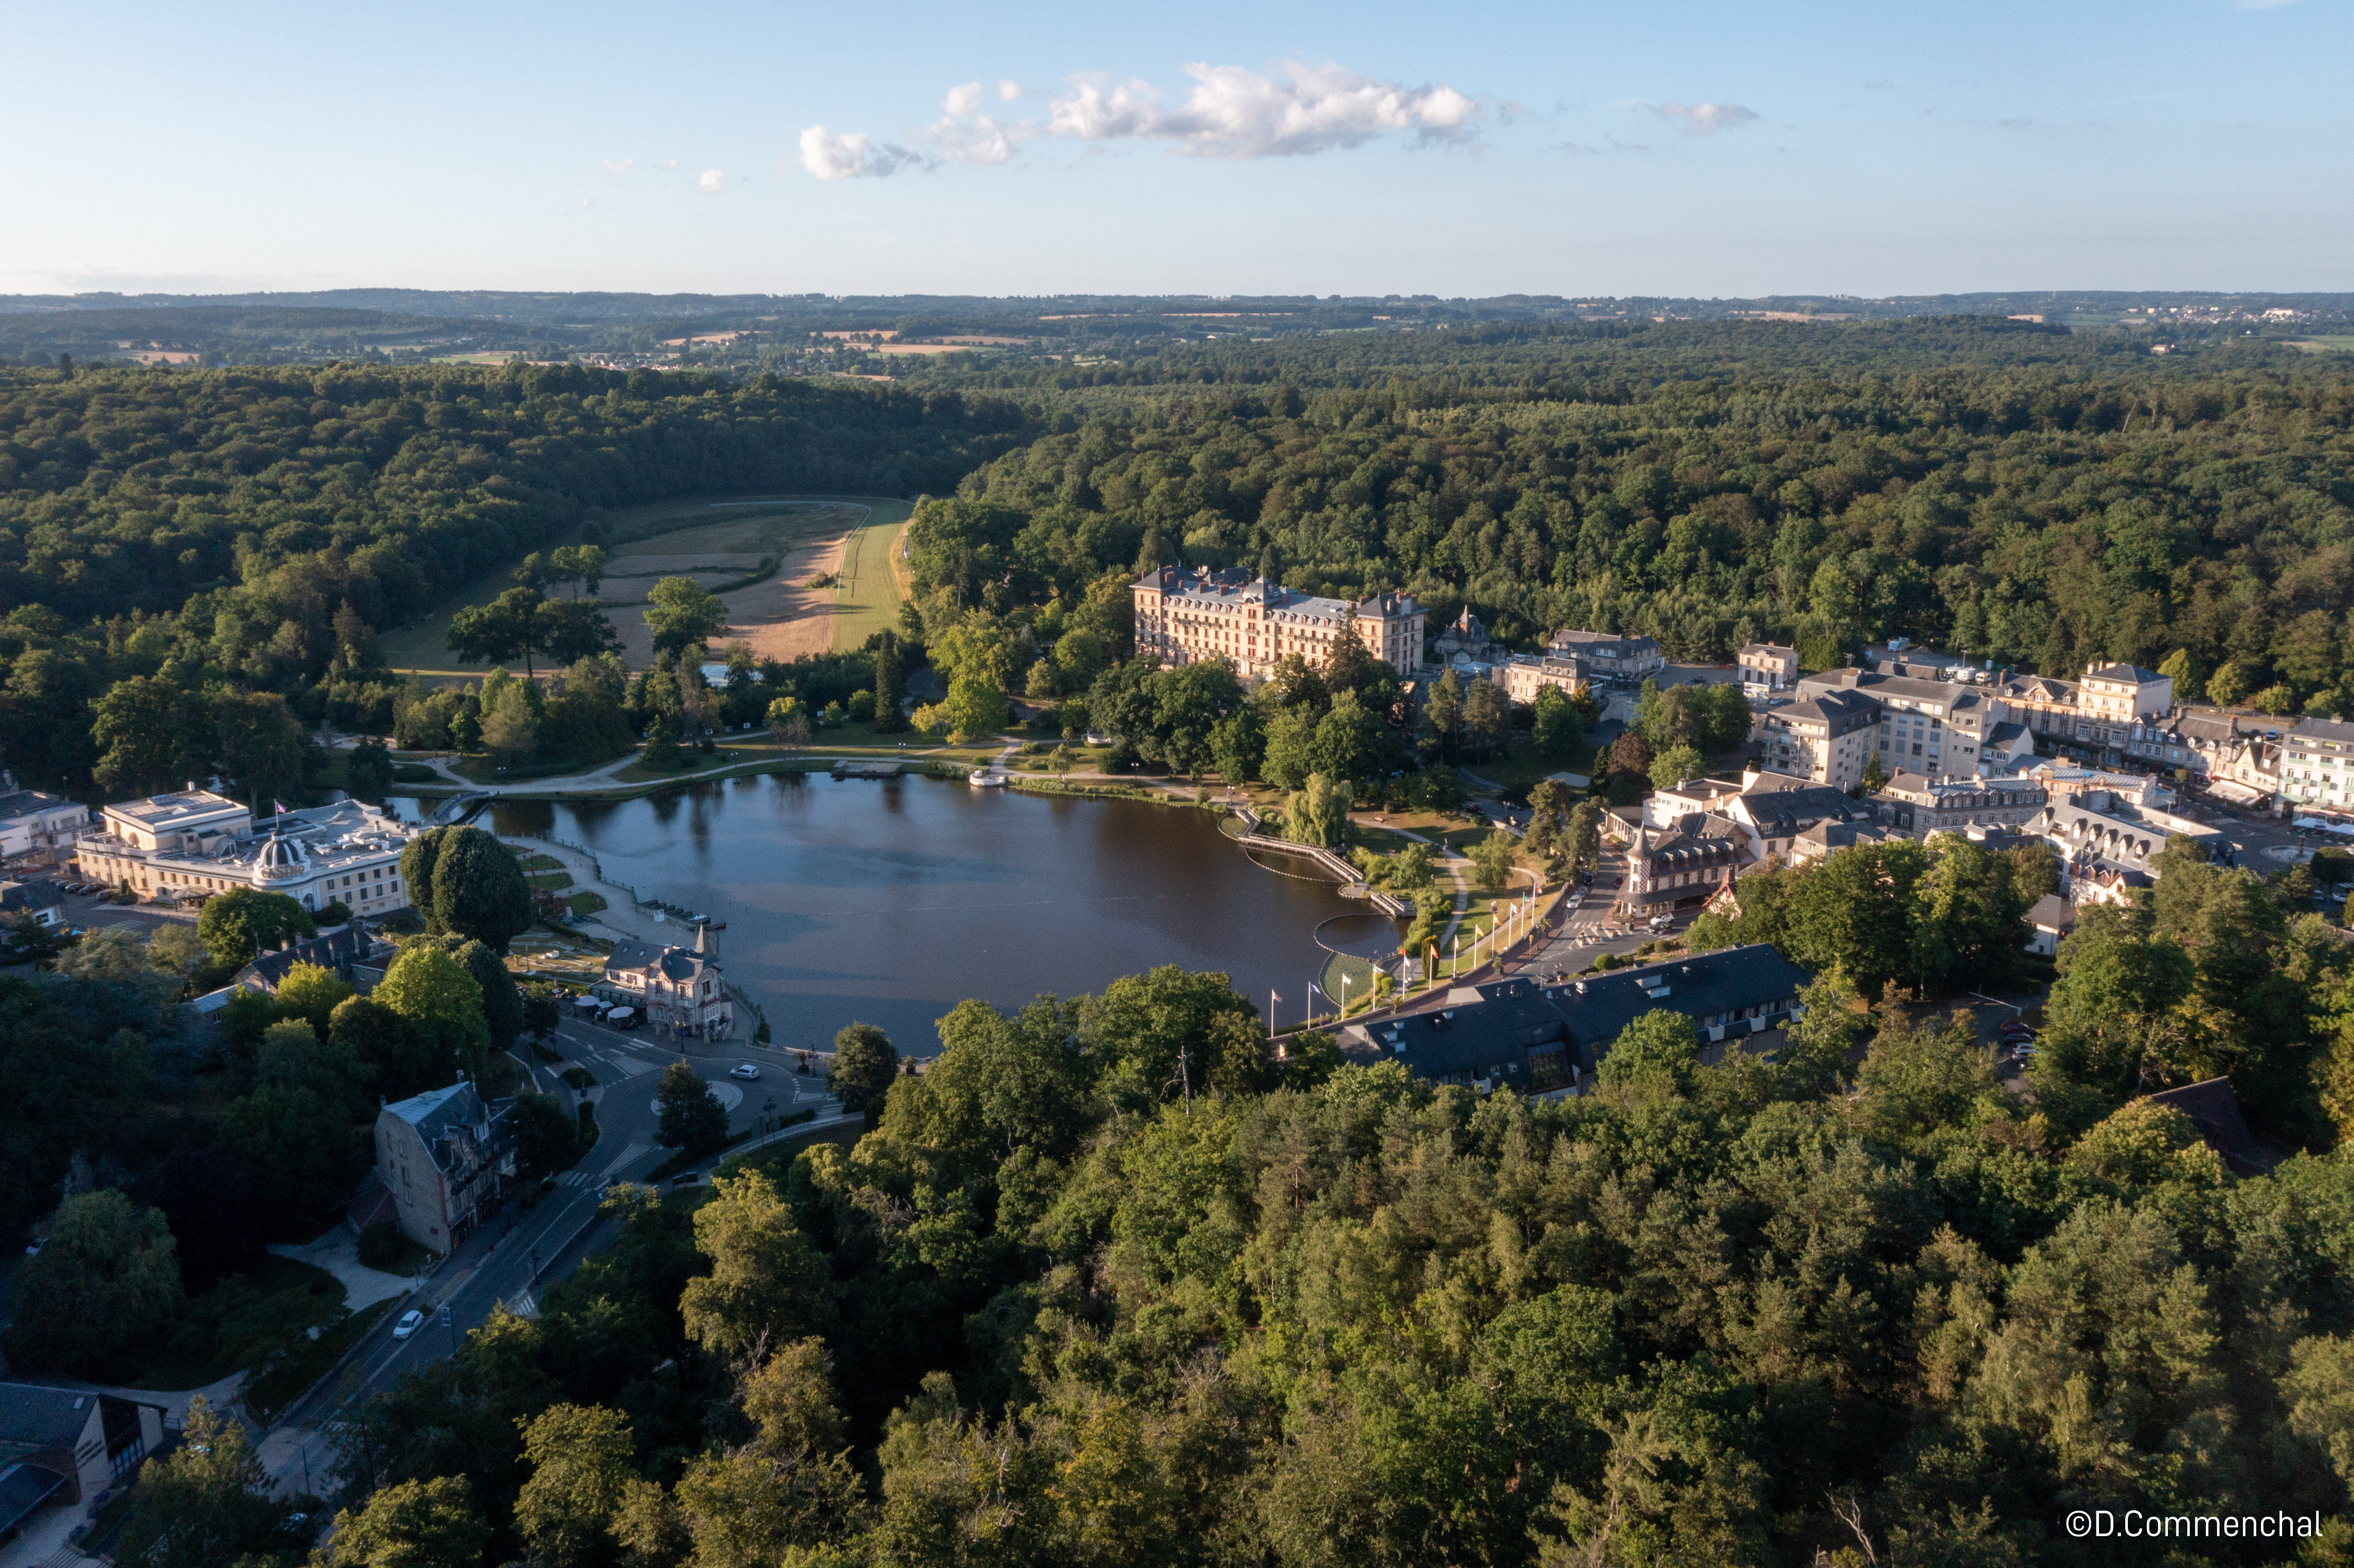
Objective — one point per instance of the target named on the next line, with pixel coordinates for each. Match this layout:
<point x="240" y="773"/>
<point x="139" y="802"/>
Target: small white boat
<point x="986" y="778"/>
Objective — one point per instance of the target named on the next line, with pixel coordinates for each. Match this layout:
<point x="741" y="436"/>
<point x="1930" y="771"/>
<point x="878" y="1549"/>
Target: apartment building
<point x="2108" y="846"/>
<point x="1184" y="618"/>
<point x="2099" y="714"/>
<point x="1826" y="838"/>
<point x="1918" y="805"/>
<point x="2232" y="755"/>
<point x="1827" y="738"/>
<point x="1935" y="727"/>
<point x="2317" y="764"/>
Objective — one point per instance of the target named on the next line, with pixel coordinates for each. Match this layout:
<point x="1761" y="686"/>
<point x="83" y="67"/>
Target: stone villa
<point x="676" y="987"/>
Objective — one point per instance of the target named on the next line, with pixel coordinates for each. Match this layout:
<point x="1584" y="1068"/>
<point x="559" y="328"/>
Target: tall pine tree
<point x="888" y="719"/>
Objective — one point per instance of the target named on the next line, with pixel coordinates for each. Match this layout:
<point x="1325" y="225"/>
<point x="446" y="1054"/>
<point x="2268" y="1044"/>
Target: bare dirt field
<point x="784" y="618"/>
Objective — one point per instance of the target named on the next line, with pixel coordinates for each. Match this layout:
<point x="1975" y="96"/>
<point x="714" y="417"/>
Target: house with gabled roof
<point x="678" y="989"/>
<point x="446" y="1156"/>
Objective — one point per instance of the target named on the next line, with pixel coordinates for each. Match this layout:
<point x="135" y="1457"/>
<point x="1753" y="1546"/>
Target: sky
<point x="1679" y="147"/>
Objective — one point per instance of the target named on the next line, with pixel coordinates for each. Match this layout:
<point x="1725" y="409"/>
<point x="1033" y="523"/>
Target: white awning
<point x="2238" y="793"/>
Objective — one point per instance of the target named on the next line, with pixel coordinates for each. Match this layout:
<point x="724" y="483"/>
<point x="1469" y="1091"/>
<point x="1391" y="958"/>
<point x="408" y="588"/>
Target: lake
<point x="890" y="901"/>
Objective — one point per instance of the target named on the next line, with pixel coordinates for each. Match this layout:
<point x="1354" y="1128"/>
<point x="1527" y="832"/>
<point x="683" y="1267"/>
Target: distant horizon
<point x="1693" y="149"/>
<point x="276" y="296"/>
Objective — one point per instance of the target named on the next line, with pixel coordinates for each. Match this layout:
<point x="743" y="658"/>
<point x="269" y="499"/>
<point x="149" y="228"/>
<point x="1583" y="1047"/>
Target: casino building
<point x="191" y="844"/>
<point x="1183" y="618"/>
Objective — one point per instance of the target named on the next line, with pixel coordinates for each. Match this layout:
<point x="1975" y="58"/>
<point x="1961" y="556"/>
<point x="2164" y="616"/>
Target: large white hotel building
<point x="1184" y="617"/>
<point x="193" y="843"/>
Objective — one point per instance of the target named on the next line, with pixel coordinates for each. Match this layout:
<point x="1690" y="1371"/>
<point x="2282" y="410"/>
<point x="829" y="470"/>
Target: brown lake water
<point x="890" y="901"/>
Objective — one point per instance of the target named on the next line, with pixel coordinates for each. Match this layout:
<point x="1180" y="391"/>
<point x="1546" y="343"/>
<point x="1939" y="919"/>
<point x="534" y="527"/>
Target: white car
<point x="409" y="1323"/>
<point x="744" y="1071"/>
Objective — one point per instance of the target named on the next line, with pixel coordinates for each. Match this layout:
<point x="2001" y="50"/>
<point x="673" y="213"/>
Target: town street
<point x="521" y="1251"/>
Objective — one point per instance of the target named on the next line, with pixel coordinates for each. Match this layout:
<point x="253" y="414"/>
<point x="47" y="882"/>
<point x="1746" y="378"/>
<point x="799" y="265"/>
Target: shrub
<point x="383" y="1245"/>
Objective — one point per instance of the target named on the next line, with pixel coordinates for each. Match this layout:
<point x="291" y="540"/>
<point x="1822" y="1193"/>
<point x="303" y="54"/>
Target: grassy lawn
<point x="742" y="523"/>
<point x="639" y="773"/>
<point x="872" y="586"/>
<point x="234" y="1324"/>
<point x="307" y="1361"/>
<point x="1085" y="760"/>
<point x="584" y="903"/>
<point x="1523" y="767"/>
<point x="477" y="766"/>
<point x="548" y="881"/>
<point x="543" y="863"/>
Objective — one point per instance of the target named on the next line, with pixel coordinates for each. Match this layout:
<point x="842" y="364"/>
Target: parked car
<point x="409" y="1323"/>
<point x="744" y="1071"/>
<point x="1660" y="922"/>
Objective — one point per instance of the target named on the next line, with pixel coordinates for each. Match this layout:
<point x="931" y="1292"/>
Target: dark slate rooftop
<point x="32" y="1416"/>
<point x="1485" y="1030"/>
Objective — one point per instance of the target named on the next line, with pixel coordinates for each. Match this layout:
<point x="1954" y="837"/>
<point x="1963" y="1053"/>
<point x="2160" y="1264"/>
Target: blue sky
<point x="1678" y="148"/>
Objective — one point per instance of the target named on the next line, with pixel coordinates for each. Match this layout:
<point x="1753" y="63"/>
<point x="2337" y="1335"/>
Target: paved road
<point x="93" y="914"/>
<point x="519" y="1251"/>
<point x="1577" y="932"/>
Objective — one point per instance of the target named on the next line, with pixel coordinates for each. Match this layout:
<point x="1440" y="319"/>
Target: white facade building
<point x="191" y="845"/>
<point x="2317" y="764"/>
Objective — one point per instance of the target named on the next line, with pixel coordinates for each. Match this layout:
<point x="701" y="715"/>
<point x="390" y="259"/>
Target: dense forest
<point x="224" y="537"/>
<point x="2028" y="498"/>
<point x="1047" y="1312"/>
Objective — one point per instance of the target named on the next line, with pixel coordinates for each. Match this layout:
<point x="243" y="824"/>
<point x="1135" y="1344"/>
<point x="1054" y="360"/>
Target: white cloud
<point x="1707" y="119"/>
<point x="1229" y="112"/>
<point x="1233" y="112"/>
<point x="619" y="167"/>
<point x="711" y="182"/>
<point x="851" y="156"/>
<point x="980" y="140"/>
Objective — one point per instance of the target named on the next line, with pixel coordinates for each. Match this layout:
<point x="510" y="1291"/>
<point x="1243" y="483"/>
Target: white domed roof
<point x="282" y="857"/>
